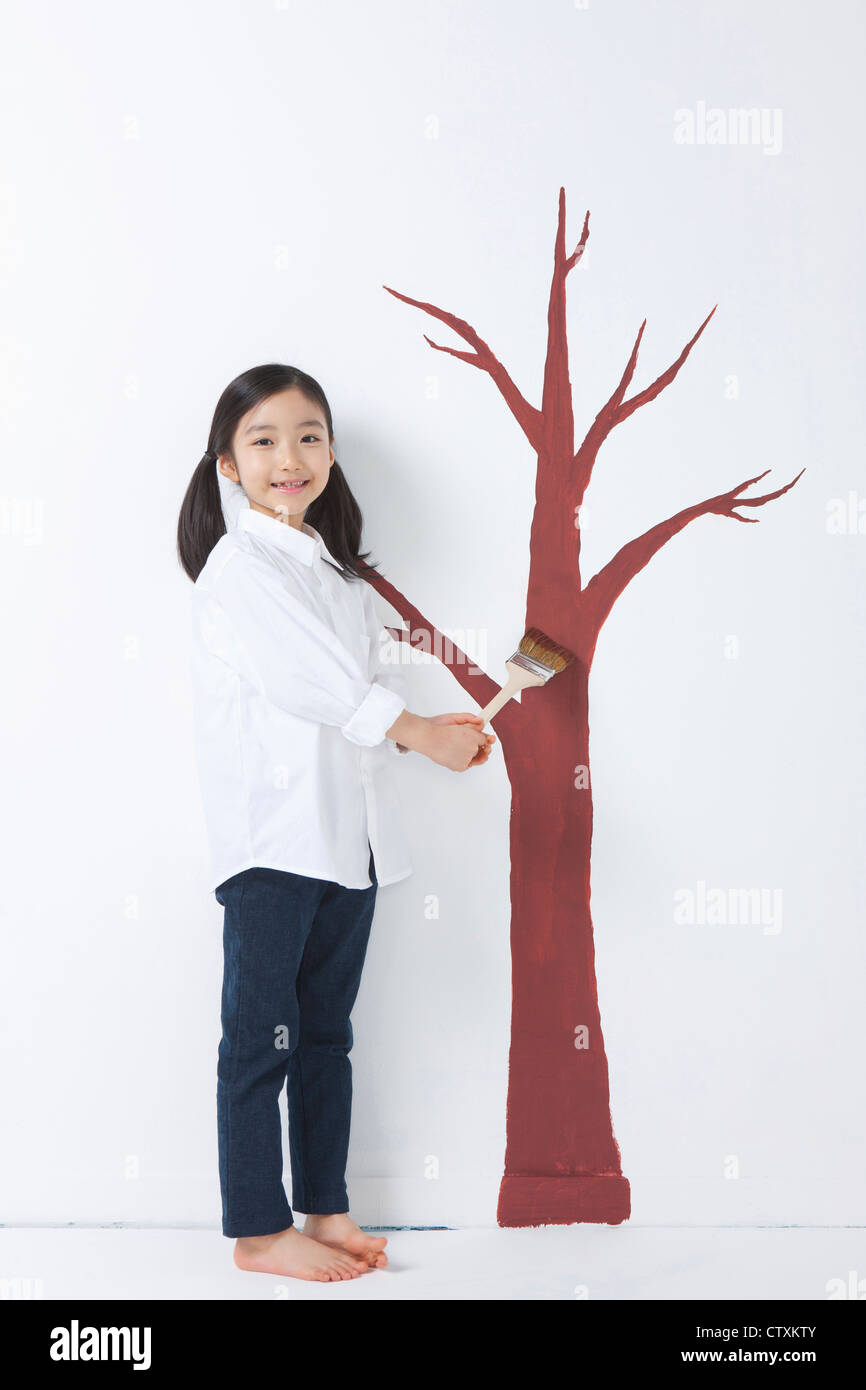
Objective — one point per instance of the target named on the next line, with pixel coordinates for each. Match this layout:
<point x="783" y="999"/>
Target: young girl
<point x="298" y="724"/>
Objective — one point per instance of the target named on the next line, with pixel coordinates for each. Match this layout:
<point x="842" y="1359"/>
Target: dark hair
<point x="335" y="513"/>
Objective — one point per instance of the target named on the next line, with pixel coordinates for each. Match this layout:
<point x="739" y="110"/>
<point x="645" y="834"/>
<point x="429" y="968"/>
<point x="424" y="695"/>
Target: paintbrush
<point x="537" y="659"/>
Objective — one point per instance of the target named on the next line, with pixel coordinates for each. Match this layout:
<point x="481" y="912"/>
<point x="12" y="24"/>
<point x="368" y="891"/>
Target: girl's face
<point x="280" y="443"/>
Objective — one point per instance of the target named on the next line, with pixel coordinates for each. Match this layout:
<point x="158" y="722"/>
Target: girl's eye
<point x="314" y="437"/>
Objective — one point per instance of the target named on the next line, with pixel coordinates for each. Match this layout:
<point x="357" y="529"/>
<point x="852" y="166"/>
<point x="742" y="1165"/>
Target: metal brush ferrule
<point x="536" y="667"/>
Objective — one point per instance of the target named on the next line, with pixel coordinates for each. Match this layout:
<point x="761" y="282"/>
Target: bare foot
<point x="341" y="1231"/>
<point x="300" y="1256"/>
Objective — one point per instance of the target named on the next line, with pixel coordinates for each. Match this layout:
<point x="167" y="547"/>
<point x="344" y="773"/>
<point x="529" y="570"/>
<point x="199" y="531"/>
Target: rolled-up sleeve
<point x="277" y="643"/>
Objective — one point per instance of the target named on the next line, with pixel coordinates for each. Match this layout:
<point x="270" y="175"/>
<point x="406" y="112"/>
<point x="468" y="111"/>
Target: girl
<point x="298" y="723"/>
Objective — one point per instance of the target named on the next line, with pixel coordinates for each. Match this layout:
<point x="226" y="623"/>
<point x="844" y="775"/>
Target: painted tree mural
<point x="562" y="1161"/>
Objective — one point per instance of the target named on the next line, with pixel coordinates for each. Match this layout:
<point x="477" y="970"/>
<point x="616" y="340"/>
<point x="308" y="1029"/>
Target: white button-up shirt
<point x="292" y="700"/>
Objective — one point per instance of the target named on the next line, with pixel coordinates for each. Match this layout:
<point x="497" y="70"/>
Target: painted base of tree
<point x="558" y="1201"/>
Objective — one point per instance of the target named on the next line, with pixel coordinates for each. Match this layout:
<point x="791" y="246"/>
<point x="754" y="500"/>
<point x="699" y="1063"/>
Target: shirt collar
<point x="304" y="544"/>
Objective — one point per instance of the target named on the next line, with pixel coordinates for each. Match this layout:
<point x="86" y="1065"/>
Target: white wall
<point x="193" y="189"/>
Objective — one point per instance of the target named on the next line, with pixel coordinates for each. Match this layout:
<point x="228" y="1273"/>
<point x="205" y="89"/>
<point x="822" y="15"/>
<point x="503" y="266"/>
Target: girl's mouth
<point x="290" y="487"/>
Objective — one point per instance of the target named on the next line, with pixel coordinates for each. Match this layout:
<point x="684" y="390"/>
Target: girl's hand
<point x="482" y="752"/>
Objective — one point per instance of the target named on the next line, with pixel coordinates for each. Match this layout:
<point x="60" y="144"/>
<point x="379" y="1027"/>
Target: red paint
<point x="562" y="1161"/>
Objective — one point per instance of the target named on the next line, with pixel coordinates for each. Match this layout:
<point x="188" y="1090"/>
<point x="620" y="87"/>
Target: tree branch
<point x="528" y="417"/>
<point x="626" y="408"/>
<point x="578" y="250"/>
<point x="604" y="588"/>
<point x="424" y="637"/>
<point x="557" y="411"/>
<point x="617" y="409"/>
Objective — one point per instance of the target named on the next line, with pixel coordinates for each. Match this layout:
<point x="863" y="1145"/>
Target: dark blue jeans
<point x="294" y="949"/>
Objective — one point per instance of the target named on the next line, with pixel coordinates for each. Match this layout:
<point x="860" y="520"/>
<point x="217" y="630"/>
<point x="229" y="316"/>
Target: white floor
<point x="562" y="1262"/>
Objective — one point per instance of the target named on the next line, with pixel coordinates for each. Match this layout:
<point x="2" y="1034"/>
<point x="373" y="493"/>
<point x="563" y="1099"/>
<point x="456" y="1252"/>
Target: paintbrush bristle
<point x="539" y="647"/>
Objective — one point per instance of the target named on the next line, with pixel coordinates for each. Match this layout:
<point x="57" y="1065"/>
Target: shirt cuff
<point x="374" y="716"/>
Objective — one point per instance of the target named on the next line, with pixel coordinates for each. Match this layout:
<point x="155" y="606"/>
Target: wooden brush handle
<point x="518" y="679"/>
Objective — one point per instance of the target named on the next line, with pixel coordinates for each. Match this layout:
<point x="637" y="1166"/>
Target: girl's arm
<point x="249" y="619"/>
<point x="257" y="626"/>
<point x="412" y="731"/>
<point x="390" y="673"/>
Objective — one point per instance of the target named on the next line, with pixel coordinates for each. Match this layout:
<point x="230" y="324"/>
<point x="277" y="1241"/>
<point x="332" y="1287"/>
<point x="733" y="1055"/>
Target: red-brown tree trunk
<point x="562" y="1162"/>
